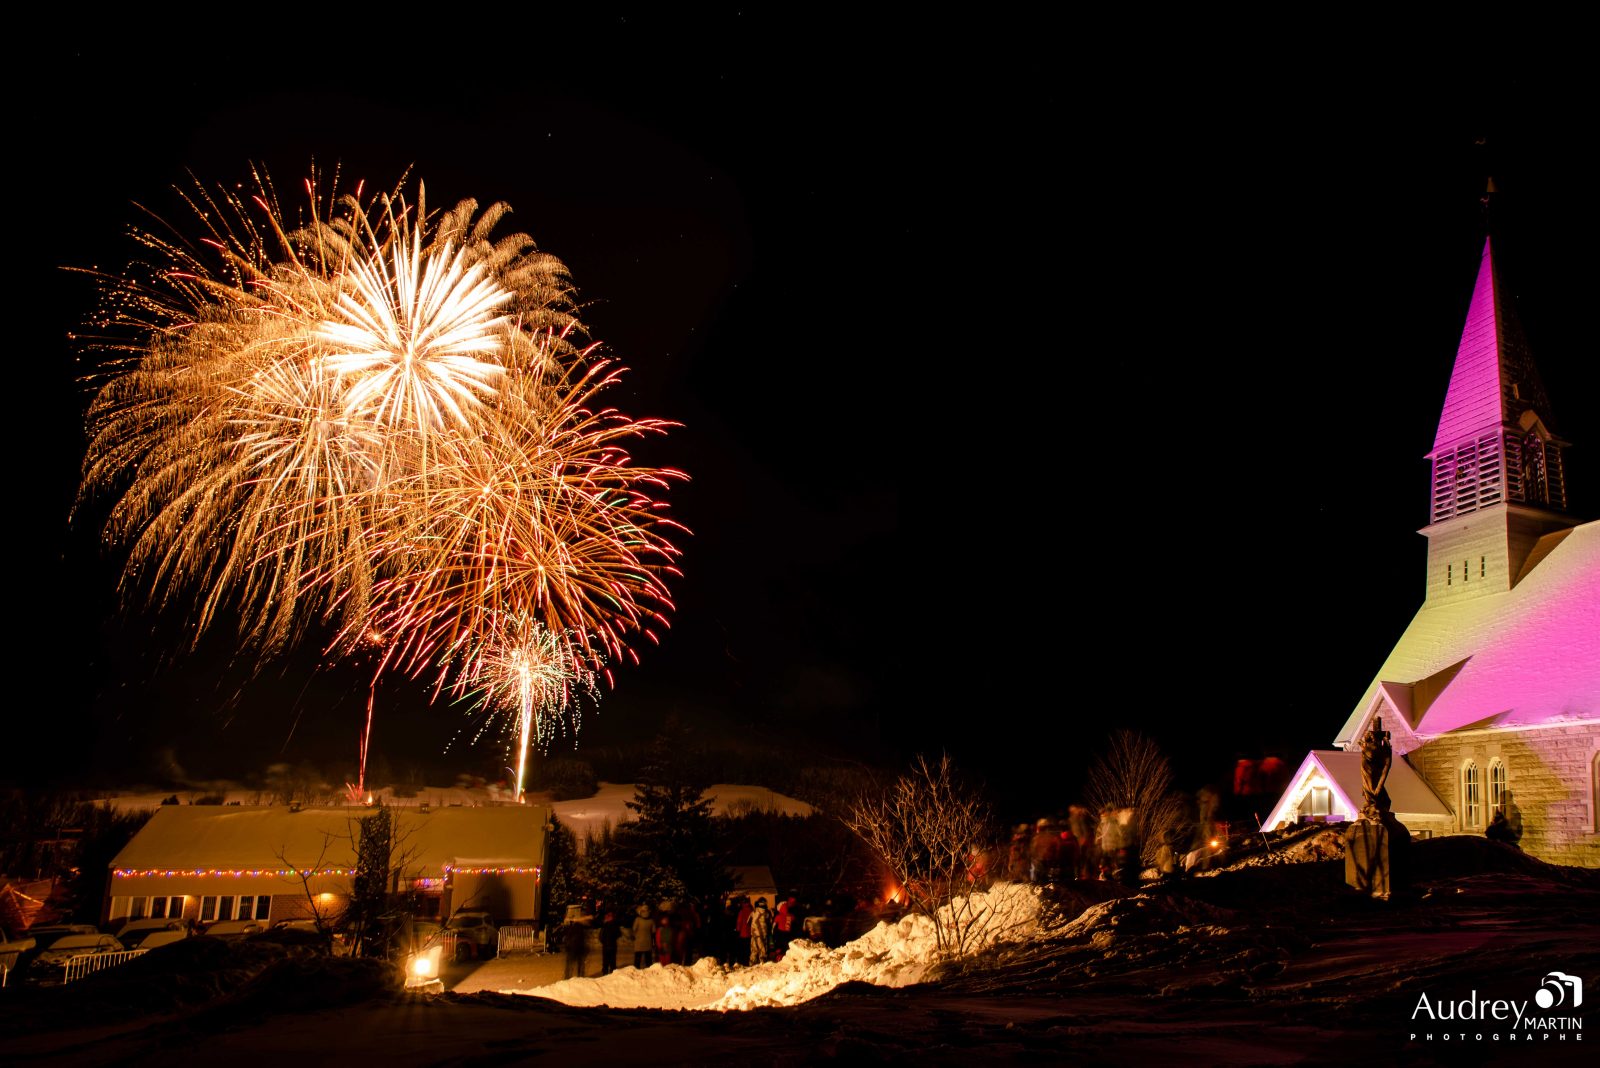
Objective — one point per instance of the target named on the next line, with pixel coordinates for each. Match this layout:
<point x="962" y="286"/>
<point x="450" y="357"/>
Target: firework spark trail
<point x="552" y="520"/>
<point x="522" y="668"/>
<point x="380" y="419"/>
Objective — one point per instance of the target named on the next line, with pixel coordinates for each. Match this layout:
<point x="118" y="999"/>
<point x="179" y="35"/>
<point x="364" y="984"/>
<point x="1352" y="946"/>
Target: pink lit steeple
<point x="1498" y="480"/>
<point x="1494" y="441"/>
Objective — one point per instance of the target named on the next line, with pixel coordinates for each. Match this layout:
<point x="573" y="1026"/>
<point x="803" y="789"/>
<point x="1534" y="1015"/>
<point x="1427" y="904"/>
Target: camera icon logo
<point x="1553" y="990"/>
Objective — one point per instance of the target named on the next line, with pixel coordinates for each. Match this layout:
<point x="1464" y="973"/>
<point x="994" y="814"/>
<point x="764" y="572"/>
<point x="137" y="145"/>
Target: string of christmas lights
<point x="257" y="873"/>
<point x="212" y="873"/>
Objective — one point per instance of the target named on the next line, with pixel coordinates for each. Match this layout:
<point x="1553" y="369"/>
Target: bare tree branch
<point x="1134" y="773"/>
<point x="925" y="828"/>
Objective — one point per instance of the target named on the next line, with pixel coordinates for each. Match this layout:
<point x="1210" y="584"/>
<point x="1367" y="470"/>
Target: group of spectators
<point x="1083" y="846"/>
<point x="751" y="931"/>
<point x="1108" y="845"/>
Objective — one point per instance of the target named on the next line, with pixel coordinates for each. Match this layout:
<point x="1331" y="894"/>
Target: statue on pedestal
<point x="1370" y="840"/>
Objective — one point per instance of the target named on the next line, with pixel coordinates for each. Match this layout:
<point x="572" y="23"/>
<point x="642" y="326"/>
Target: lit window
<point x="208" y="909"/>
<point x="1321" y="801"/>
<point x="1471" y="798"/>
<point x="1497" y="785"/>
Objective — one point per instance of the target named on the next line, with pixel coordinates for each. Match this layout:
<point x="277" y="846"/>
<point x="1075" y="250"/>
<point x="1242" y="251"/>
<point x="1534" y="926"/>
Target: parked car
<point x="29" y="944"/>
<point x="51" y="965"/>
<point x="295" y="933"/>
<point x="11" y="951"/>
<point x="133" y="934"/>
<point x="233" y="928"/>
<point x="476" y="934"/>
<point x="156" y="939"/>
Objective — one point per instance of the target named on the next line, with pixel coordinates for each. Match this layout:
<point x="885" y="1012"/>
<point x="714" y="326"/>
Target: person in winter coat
<point x="575" y="940"/>
<point x="683" y="926"/>
<point x="663" y="938"/>
<point x="783" y="926"/>
<point x="760" y="932"/>
<point x="1108" y="839"/>
<point x="1043" y="851"/>
<point x="741" y="929"/>
<point x="643" y="931"/>
<point x="610" y="935"/>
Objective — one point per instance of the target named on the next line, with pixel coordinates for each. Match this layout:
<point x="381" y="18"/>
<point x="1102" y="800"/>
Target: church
<point x="1492" y="694"/>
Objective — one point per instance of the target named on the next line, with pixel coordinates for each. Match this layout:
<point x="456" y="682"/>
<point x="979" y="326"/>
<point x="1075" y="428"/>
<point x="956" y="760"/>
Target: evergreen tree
<point x="561" y="872"/>
<point x="369" y="892"/>
<point x="672" y="846"/>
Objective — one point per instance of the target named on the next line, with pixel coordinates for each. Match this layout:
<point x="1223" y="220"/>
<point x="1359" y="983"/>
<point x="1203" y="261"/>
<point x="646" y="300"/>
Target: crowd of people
<point x="1105" y="845"/>
<point x="753" y="929"/>
<point x="749" y="930"/>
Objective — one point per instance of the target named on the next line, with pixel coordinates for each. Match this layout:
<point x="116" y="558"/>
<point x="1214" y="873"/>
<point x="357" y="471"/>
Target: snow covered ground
<point x="1256" y="965"/>
<point x="889" y="955"/>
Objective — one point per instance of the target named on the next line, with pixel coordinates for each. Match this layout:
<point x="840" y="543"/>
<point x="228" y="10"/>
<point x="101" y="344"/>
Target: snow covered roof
<point x="251" y="837"/>
<point x="1341" y="770"/>
<point x="1527" y="656"/>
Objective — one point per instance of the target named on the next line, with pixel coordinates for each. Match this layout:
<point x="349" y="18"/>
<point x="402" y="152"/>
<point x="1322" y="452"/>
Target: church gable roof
<point x="1395" y="704"/>
<point x="1494" y="381"/>
<point x="1527" y="656"/>
<point x="1341" y="771"/>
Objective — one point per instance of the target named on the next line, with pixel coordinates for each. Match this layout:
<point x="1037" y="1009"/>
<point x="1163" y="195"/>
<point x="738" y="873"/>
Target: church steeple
<point x="1494" y="440"/>
<point x="1498" y="479"/>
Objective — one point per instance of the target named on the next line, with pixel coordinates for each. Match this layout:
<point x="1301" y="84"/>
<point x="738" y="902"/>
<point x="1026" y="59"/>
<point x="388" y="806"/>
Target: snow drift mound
<point x="892" y="955"/>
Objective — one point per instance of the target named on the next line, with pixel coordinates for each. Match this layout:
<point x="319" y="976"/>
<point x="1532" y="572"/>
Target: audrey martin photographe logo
<point x="1475" y="1019"/>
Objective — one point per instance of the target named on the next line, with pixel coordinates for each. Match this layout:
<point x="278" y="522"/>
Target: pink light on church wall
<point x="1543" y="662"/>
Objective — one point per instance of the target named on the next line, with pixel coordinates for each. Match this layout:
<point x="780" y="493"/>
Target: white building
<point x="276" y="862"/>
<point x="1492" y="694"/>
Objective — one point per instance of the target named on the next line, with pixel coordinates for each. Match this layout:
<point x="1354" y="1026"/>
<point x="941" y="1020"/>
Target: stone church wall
<point x="1549" y="774"/>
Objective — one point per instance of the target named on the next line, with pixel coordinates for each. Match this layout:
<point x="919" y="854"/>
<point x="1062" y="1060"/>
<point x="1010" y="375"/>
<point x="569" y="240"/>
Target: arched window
<point x="1497" y="785"/>
<point x="1471" y="798"/>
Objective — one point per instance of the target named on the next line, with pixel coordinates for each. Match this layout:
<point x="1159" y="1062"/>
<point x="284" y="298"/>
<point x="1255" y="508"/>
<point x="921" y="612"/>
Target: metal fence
<point x="517" y="939"/>
<point x="89" y="963"/>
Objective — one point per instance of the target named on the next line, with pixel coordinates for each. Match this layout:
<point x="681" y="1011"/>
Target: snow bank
<point x="893" y="955"/>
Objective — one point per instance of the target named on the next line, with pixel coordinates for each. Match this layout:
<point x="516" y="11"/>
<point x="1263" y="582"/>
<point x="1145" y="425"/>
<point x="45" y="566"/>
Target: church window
<point x="1483" y="566"/>
<point x="1464" y="564"/>
<point x="1594" y="792"/>
<point x="1319" y="801"/>
<point x="1449" y="574"/>
<point x="1497" y="785"/>
<point x="1471" y="797"/>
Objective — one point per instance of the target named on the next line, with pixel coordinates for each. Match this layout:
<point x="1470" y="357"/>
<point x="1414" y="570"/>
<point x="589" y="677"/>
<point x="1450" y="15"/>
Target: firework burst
<point x="533" y="675"/>
<point x="382" y="419"/>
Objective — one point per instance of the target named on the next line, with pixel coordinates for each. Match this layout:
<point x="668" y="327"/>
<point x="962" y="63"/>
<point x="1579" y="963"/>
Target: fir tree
<point x="561" y="872"/>
<point x="673" y="844"/>
<point x="369" y="892"/>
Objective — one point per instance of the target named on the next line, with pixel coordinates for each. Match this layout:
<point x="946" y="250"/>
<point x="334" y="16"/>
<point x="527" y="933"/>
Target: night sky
<point x="1026" y="393"/>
